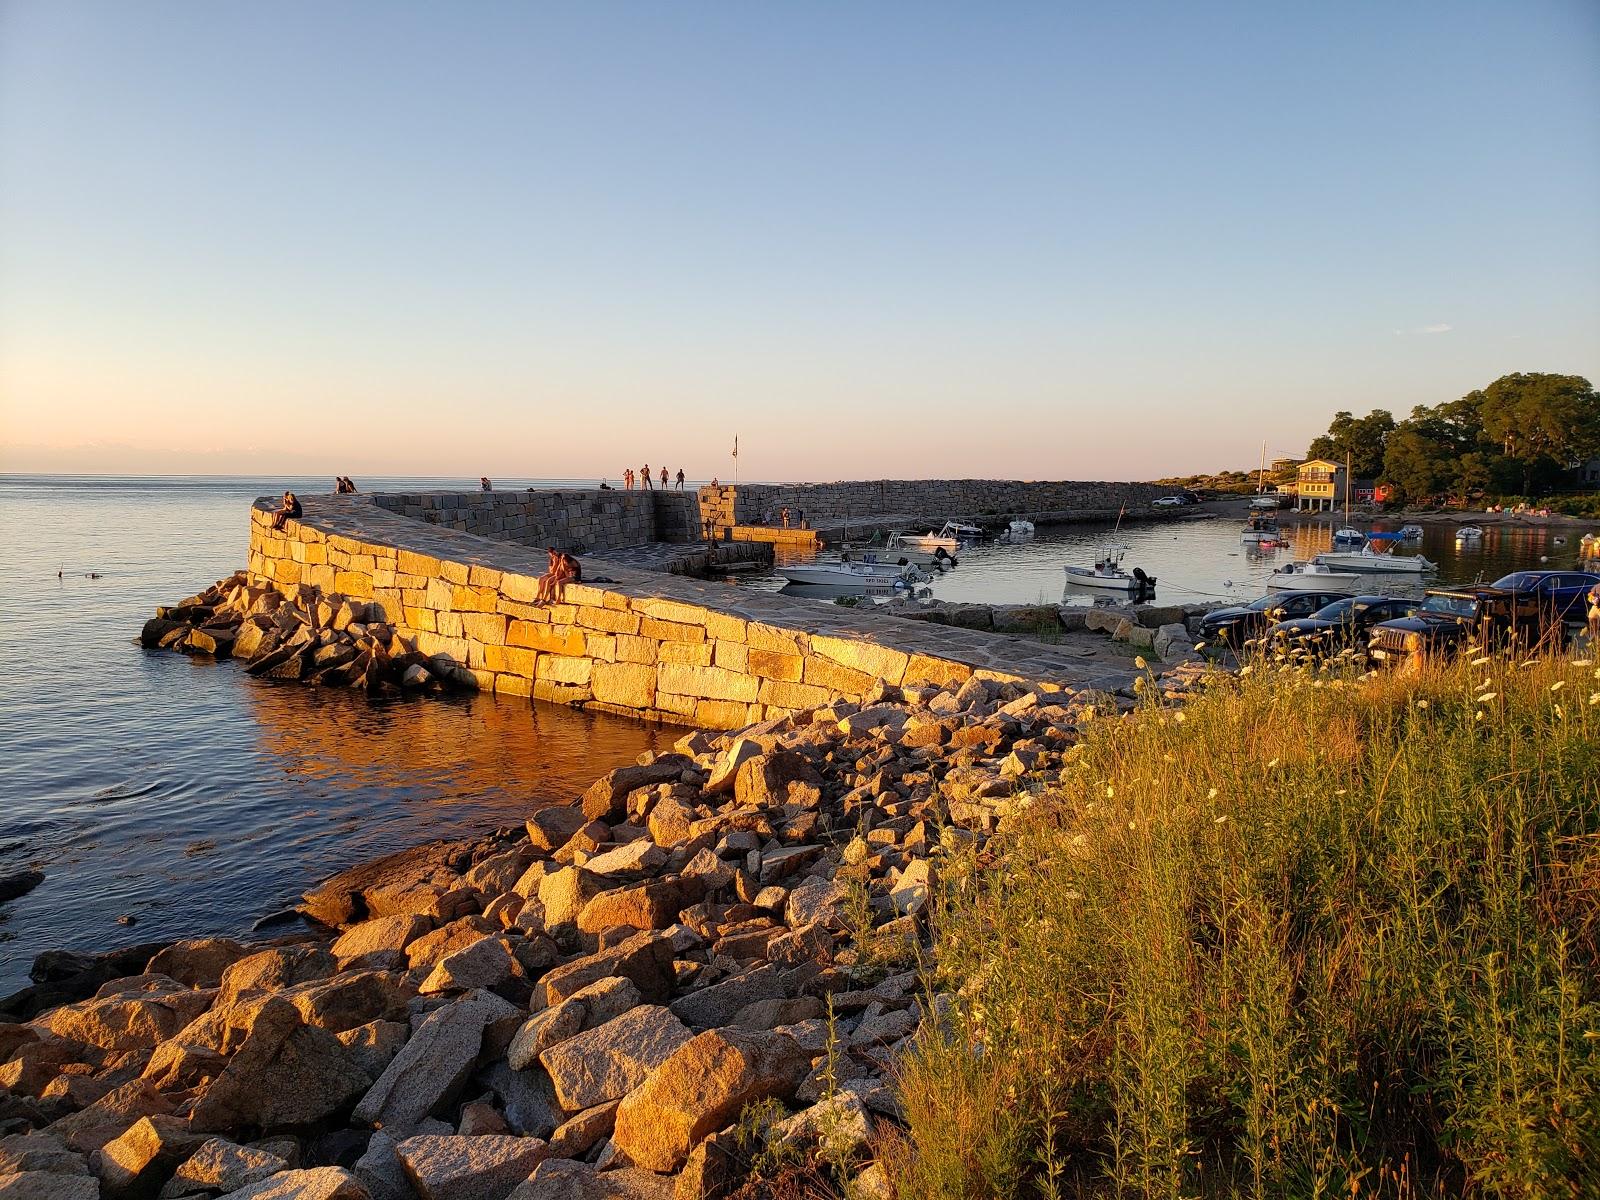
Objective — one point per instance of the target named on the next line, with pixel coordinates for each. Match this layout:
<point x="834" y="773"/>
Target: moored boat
<point x="1373" y="559"/>
<point x="1469" y="533"/>
<point x="949" y="537"/>
<point x="1107" y="574"/>
<point x="852" y="573"/>
<point x="1348" y="536"/>
<point x="1020" y="528"/>
<point x="1315" y="576"/>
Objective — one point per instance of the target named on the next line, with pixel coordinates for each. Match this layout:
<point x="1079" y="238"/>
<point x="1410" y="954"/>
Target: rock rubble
<point x="583" y="1006"/>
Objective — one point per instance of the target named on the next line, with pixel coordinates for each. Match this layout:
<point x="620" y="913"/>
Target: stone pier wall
<point x="575" y="519"/>
<point x="629" y="641"/>
<point x="931" y="499"/>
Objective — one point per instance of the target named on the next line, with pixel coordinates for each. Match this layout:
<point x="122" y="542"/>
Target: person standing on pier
<point x="627" y="480"/>
<point x="663" y="479"/>
<point x="648" y="485"/>
<point x="680" y="479"/>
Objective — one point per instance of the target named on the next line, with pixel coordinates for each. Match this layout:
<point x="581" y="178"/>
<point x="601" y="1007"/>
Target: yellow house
<point x="1319" y="485"/>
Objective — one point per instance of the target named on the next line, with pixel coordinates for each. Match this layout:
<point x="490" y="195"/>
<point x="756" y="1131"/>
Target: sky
<point x="1053" y="240"/>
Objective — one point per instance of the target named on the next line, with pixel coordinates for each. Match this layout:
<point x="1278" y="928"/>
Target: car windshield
<point x="1337" y="611"/>
<point x="1455" y="606"/>
<point x="1264" y="603"/>
<point x="1520" y="581"/>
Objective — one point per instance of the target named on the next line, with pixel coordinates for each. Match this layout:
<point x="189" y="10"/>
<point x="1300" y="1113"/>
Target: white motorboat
<point x="1469" y="533"/>
<point x="1371" y="561"/>
<point x="1348" y="536"/>
<point x="1315" y="576"/>
<point x="948" y="538"/>
<point x="1262" y="531"/>
<point x="852" y="573"/>
<point x="1107" y="574"/>
<point x="1020" y="528"/>
<point x="891" y="560"/>
<point x="1411" y="533"/>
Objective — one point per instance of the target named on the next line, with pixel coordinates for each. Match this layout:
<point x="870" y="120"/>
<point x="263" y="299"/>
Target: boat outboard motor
<point x="1146" y="582"/>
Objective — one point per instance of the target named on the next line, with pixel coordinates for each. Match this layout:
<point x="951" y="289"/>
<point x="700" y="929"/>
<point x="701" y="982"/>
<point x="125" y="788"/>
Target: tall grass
<point x="1309" y="935"/>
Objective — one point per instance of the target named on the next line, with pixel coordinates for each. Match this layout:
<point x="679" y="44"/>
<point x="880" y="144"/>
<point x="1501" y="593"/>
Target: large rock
<point x="565" y="892"/>
<point x="397" y="883"/>
<point x="606" y="799"/>
<point x="719" y="1003"/>
<point x="39" y="1153"/>
<point x="351" y="999"/>
<point x="317" y="1183"/>
<point x="273" y="970"/>
<point x="725" y="773"/>
<point x="526" y="1099"/>
<point x="130" y="1020"/>
<point x="816" y="899"/>
<point x="110" y="1116"/>
<point x="140" y="1160"/>
<point x="381" y="935"/>
<point x="602" y="1001"/>
<point x="700" y="1089"/>
<point x="645" y="959"/>
<point x="284" y="1073"/>
<point x="653" y="905"/>
<point x="222" y="1166"/>
<point x="432" y="1067"/>
<point x="199" y="962"/>
<point x="487" y="963"/>
<point x="372" y="1046"/>
<point x="610" y="1060"/>
<point x="549" y="829"/>
<point x="40" y="1185"/>
<point x="565" y="1179"/>
<point x="774" y="779"/>
<point x="469" y="1168"/>
<point x="631" y="859"/>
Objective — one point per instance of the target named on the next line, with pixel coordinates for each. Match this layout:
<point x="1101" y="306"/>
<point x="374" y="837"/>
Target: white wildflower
<point x="1478" y="662"/>
<point x="1178" y="718"/>
<point x="1486" y="697"/>
<point x="1558" y="685"/>
<point x="1138" y="661"/>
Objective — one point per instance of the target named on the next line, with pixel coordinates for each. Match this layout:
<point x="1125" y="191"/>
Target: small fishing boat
<point x="1107" y="574"/>
<point x="1469" y="533"/>
<point x="852" y="573"/>
<point x="1315" y="576"/>
<point x="892" y="559"/>
<point x="949" y="538"/>
<point x="1262" y="531"/>
<point x="1411" y="533"/>
<point x="1348" y="536"/>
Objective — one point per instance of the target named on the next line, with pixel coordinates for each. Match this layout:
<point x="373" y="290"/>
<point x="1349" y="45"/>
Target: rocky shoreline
<point x="713" y="953"/>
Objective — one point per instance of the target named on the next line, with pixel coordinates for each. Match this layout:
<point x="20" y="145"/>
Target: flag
<point x="736" y="445"/>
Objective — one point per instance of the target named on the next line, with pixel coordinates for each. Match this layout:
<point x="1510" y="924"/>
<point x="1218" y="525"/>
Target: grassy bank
<point x="1315" y="936"/>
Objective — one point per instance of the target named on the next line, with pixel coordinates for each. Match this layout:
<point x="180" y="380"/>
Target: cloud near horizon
<point x="1436" y="327"/>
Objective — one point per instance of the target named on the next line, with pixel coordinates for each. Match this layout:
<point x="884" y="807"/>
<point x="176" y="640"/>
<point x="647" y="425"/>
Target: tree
<point x="1545" y="423"/>
<point x="1361" y="438"/>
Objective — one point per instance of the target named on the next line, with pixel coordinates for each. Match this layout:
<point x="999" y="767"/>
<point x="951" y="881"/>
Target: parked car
<point x="1190" y="497"/>
<point x="1563" y="593"/>
<point x="1339" y="625"/>
<point x="1239" y="623"/>
<point x="1448" y="618"/>
<point x="1168" y="502"/>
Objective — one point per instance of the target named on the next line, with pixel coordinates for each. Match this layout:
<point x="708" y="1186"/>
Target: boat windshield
<point x="1455" y="606"/>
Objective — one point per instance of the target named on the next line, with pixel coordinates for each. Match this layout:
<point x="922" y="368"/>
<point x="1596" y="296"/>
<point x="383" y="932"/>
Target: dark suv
<point x="1561" y="593"/>
<point x="1238" y="623"/>
<point x="1449" y="617"/>
<point x="1340" y="625"/>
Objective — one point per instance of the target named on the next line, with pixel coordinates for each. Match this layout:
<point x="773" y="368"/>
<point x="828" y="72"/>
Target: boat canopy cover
<point x="1384" y="537"/>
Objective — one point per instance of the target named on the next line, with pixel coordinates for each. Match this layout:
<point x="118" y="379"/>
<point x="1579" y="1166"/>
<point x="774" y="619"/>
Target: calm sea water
<point x="1203" y="560"/>
<point x="186" y="794"/>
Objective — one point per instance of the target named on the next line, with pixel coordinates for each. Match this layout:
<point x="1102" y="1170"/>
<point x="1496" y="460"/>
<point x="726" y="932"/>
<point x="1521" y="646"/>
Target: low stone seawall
<point x="581" y="519"/>
<point x="628" y="641"/>
<point x="932" y="499"/>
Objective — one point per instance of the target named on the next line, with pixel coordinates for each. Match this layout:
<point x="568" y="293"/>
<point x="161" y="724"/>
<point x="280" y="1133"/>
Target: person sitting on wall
<point x="605" y="486"/>
<point x="562" y="569"/>
<point x="289" y="508"/>
<point x="484" y="485"/>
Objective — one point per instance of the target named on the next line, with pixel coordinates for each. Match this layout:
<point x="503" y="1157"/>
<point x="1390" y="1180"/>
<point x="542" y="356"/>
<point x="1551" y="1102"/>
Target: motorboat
<point x="1411" y="533"/>
<point x="1373" y="559"/>
<point x="949" y="538"/>
<point x="1315" y="576"/>
<point x="1107" y="574"/>
<point x="1262" y="531"/>
<point x="1020" y="528"/>
<point x="1349" y="536"/>
<point x="890" y="561"/>
<point x="846" y="574"/>
<point x="1469" y="533"/>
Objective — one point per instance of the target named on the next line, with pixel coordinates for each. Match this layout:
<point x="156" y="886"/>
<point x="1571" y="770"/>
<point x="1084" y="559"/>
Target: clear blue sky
<point x="1029" y="240"/>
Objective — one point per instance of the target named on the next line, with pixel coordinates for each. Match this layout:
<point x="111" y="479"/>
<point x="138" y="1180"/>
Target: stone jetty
<point x="708" y="954"/>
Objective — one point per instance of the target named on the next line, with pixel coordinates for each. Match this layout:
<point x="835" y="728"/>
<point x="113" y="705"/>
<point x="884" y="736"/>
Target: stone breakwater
<point x="589" y="1005"/>
<point x="587" y="520"/>
<point x="930" y="500"/>
<point x="635" y="642"/>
